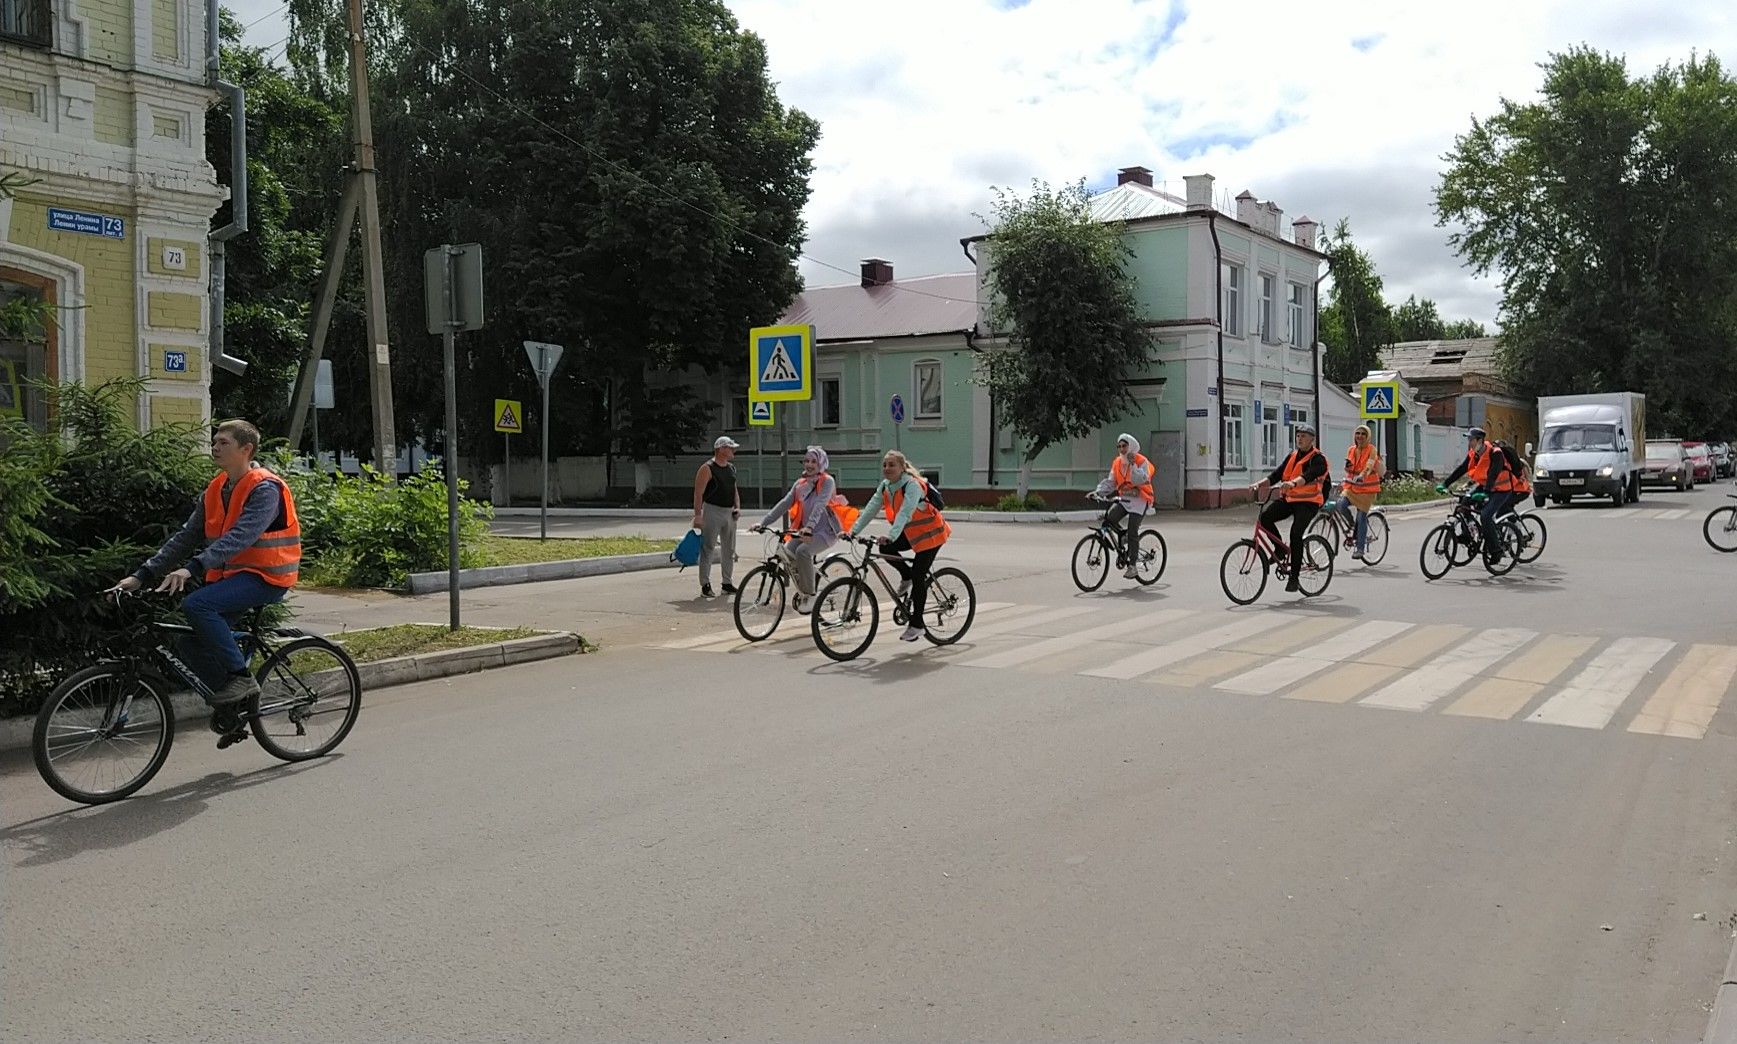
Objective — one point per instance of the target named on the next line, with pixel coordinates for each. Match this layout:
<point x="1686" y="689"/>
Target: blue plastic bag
<point x="688" y="551"/>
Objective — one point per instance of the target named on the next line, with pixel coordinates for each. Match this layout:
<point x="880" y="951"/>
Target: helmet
<point x="1477" y="433"/>
<point x="1305" y="429"/>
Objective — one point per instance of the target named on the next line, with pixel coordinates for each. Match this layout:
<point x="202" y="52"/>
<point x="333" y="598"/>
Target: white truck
<point x="1590" y="445"/>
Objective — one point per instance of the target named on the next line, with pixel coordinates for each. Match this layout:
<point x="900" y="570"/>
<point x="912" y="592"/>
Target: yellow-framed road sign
<point x="780" y="363"/>
<point x="509" y="417"/>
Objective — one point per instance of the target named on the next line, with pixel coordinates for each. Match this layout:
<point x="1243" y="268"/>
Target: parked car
<point x="1700" y="461"/>
<point x="1724" y="464"/>
<point x="1667" y="464"/>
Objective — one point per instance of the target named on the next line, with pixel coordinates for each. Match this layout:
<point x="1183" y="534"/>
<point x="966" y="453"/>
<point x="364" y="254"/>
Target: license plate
<point x="1572" y="482"/>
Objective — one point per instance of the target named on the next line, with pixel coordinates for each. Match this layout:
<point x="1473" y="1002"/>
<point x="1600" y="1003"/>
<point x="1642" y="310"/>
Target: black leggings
<point x="1301" y="513"/>
<point x="915" y="569"/>
<point x="1116" y="513"/>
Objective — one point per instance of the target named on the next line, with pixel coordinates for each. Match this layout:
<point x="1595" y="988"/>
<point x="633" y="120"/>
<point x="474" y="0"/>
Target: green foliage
<point x="1015" y="502"/>
<point x="1418" y="321"/>
<point x="1356" y="323"/>
<point x="1065" y="301"/>
<point x="25" y="316"/>
<point x="1406" y="489"/>
<point x="1608" y="206"/>
<point x="380" y="532"/>
<point x="78" y="513"/>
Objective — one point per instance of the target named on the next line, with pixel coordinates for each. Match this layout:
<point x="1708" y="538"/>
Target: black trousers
<point x="1116" y="514"/>
<point x="915" y="569"/>
<point x="1301" y="513"/>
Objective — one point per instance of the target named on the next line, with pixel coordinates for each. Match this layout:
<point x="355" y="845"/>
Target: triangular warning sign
<point x="508" y="420"/>
<point x="779" y="368"/>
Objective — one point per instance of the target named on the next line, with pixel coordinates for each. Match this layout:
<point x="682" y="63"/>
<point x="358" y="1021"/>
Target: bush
<point x="1011" y="502"/>
<point x="1406" y="489"/>
<point x="373" y="533"/>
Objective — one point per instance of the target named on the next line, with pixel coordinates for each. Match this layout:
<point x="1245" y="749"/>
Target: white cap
<point x="725" y="442"/>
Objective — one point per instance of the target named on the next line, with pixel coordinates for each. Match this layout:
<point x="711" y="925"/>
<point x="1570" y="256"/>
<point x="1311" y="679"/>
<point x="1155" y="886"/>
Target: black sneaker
<point x="239" y="687"/>
<point x="706" y="591"/>
<point x="1293" y="585"/>
<point x="729" y="588"/>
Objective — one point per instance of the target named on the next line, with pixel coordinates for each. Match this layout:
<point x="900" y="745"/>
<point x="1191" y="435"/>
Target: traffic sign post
<point x="452" y="293"/>
<point x="897" y="408"/>
<point x="544" y="358"/>
<point x="509" y="420"/>
<point x="323" y="400"/>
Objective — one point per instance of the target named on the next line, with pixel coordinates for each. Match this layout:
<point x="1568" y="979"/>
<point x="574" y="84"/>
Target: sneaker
<point x="803" y="605"/>
<point x="1357" y="555"/>
<point x="239" y="687"/>
<point x="1293" y="585"/>
<point x="729" y="588"/>
<point x="706" y="591"/>
<point x="912" y="633"/>
<point x="1131" y="573"/>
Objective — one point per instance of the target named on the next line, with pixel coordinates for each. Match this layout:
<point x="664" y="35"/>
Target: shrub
<point x="376" y="533"/>
<point x="1406" y="489"/>
<point x="1011" y="502"/>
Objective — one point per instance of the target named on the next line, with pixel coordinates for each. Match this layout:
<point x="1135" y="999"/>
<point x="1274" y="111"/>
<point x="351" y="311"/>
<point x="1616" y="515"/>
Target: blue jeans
<point x="1495" y="506"/>
<point x="1357" y="520"/>
<point x="210" y="609"/>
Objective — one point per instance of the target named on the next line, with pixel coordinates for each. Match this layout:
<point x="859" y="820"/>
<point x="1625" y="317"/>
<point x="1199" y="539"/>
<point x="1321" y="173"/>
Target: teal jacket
<point x="913" y="491"/>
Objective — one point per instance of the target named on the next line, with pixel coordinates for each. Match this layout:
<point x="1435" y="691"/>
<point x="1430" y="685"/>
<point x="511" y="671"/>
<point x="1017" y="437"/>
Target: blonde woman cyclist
<point x="916" y="527"/>
<point x="1361" y="486"/>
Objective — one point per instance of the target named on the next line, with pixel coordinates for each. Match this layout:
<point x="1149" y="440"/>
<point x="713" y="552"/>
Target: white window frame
<point x="1267" y="287"/>
<point x="1269" y="422"/>
<point x="1231" y="275"/>
<point x="917" y="369"/>
<point x="1297" y="314"/>
<point x="1300" y="415"/>
<point x="820" y="403"/>
<point x="737" y="417"/>
<point x="1235" y="434"/>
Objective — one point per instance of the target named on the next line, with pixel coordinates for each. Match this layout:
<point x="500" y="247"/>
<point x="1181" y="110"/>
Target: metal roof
<point x="1423" y="360"/>
<point x="938" y="304"/>
<point x="1131" y="201"/>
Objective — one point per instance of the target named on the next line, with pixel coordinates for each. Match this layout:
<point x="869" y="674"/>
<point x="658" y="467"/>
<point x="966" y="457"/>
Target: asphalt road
<point x="1130" y="814"/>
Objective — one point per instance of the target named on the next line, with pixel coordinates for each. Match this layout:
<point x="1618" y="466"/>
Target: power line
<point x="274" y="12"/>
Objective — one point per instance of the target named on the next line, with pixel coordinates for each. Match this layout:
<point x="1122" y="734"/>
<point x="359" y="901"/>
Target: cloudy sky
<point x="1336" y="108"/>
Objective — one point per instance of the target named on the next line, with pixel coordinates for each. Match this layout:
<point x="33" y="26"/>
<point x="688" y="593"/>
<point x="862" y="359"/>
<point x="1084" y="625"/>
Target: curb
<point x="1421" y="505"/>
<point x="567" y="569"/>
<point x="402" y="670"/>
<point x="956" y="517"/>
<point x="1722" y="1026"/>
<point x="594" y="512"/>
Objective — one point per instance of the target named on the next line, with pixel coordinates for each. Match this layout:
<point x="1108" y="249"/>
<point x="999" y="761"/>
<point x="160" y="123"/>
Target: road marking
<point x="1416" y="646"/>
<point x="1421" y="688"/>
<point x="1518" y="681"/>
<point x="1197" y="671"/>
<point x="1270" y="677"/>
<point x="1063" y="643"/>
<point x="1685" y="703"/>
<point x="1678" y="513"/>
<point x="1595" y="694"/>
<point x="1181" y="649"/>
<point x="1305" y="631"/>
<point x="1345" y="683"/>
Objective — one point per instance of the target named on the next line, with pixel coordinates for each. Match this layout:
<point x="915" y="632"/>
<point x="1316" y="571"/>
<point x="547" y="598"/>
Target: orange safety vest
<point x="1119" y="474"/>
<point x="926" y="529"/>
<point x="841" y="510"/>
<point x="1478" y="465"/>
<point x="1355" y="463"/>
<point x="276" y="556"/>
<point x="1522" y="484"/>
<point x="1308" y="492"/>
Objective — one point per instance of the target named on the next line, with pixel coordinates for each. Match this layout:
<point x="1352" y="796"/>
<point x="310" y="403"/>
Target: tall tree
<point x="1356" y="323"/>
<point x="1608" y="205"/>
<point x="1418" y="321"/>
<point x="1065" y="302"/>
<point x="635" y="182"/>
<point x="1461" y="329"/>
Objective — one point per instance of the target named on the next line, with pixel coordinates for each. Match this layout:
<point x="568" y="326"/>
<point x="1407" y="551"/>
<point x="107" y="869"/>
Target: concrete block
<point x="381" y="673"/>
<point x="458" y="661"/>
<point x="542" y="647"/>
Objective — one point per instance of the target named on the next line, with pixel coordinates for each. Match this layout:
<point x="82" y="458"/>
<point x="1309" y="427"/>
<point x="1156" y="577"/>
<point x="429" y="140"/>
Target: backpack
<point x="932" y="494"/>
<point x="687" y="552"/>
<point x="1516" y="464"/>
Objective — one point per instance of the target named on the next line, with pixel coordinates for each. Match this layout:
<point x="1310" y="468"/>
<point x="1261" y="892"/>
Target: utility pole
<point x="379" y="355"/>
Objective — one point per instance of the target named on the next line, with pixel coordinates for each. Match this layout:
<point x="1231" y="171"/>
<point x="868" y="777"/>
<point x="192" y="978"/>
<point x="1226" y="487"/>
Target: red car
<point x="1701" y="460"/>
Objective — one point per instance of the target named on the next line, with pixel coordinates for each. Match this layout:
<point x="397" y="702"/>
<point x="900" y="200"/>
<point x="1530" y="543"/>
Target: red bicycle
<point x="1243" y="571"/>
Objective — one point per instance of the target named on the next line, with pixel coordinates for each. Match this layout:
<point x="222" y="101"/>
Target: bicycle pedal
<point x="229" y="739"/>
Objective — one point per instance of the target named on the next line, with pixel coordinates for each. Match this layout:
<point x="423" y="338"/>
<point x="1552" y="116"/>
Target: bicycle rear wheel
<point x="1325" y="525"/>
<point x="309" y="696"/>
<point x="1151" y="555"/>
<point x="949" y="606"/>
<point x="1242" y="572"/>
<point x="85" y="748"/>
<point x="1091" y="563"/>
<point x="845" y="617"/>
<point x="759" y="603"/>
<point x="1316" y="571"/>
<point x="1533" y="535"/>
<point x="1720" y="529"/>
<point x="1375" y="540"/>
<point x="1437" y="554"/>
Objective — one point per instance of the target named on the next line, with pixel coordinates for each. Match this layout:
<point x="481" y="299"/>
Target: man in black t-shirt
<point x="717" y="506"/>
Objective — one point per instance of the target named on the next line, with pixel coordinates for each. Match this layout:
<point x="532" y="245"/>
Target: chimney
<point x="1199" y="191"/>
<point x="1303" y="231"/>
<point x="1138" y="175"/>
<point x="1272" y="220"/>
<point x="1247" y="210"/>
<point x="876" y="272"/>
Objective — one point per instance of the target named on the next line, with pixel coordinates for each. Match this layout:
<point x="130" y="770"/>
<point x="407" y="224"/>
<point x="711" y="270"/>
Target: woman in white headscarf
<point x="1130" y="482"/>
<point x="811" y="518"/>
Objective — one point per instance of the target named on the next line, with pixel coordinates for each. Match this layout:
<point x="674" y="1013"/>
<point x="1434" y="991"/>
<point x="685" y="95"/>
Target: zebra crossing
<point x="1644" y="685"/>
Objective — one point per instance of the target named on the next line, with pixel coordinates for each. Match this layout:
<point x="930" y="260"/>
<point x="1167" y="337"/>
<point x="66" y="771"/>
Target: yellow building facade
<point x="102" y="124"/>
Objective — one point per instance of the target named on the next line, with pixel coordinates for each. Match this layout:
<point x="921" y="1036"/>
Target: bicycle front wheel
<point x="1720" y="529"/>
<point x="1316" y="570"/>
<point x="1091" y="563"/>
<point x="1375" y="540"/>
<point x="1150" y="557"/>
<point x="1533" y="534"/>
<point x="759" y="603"/>
<point x="1505" y="541"/>
<point x="1243" y="572"/>
<point x="1437" y="555"/>
<point x="309" y="696"/>
<point x="845" y="617"/>
<point x="949" y="606"/>
<point x="102" y="734"/>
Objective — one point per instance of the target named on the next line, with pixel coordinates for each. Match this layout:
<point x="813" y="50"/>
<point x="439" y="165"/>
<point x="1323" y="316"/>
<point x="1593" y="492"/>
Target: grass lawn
<point x="383" y="643"/>
<point x="505" y="550"/>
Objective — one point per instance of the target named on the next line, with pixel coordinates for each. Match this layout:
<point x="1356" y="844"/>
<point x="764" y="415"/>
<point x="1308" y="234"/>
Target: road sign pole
<point x="545" y="418"/>
<point x="783" y="455"/>
<point x="451" y="471"/>
<point x="507" y="468"/>
<point x="317" y="465"/>
<point x="760" y="468"/>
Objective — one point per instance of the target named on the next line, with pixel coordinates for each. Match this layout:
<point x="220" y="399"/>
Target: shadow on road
<point x="890" y="670"/>
<point x="1320" y="605"/>
<point x="62" y="835"/>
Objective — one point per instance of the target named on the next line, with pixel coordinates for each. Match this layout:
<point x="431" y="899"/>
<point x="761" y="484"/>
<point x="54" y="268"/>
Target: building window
<point x="1232" y="278"/>
<point x="1294" y="329"/>
<point x="27" y="22"/>
<point x="1233" y="435"/>
<point x="1269" y="436"/>
<point x="24" y="358"/>
<point x="831" y="403"/>
<point x="1300" y="416"/>
<point x="1264" y="318"/>
<point x="738" y="420"/>
<point x="928" y="380"/>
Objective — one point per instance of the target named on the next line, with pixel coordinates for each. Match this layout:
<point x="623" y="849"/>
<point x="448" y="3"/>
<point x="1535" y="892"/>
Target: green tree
<point x="1461" y="329"/>
<point x="1065" y="302"/>
<point x="1418" y="321"/>
<point x="1356" y="323"/>
<point x="1608" y="206"/>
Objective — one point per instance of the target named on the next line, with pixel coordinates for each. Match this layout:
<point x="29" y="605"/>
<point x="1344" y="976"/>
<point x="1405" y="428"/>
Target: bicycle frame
<point x="871" y="562"/>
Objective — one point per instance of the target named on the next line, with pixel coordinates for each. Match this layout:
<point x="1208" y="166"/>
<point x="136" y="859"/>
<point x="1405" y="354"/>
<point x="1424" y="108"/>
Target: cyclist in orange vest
<point x="916" y="527"/>
<point x="809" y="509"/>
<point x="1130" y="480"/>
<point x="1302" y="484"/>
<point x="1362" y="484"/>
<point x="1488" y="469"/>
<point x="252" y="555"/>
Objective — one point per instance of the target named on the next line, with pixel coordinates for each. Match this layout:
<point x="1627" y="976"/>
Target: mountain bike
<point x="1107" y="543"/>
<point x="1720" y="528"/>
<point x="107" y="729"/>
<point x="1338" y="527"/>
<point x="1243" y="570"/>
<point x="847" y="612"/>
<point x="760" y="597"/>
<point x="1461" y="538"/>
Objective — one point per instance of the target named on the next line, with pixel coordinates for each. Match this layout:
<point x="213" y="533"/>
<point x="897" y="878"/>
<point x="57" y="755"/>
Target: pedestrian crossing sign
<point x="780" y="363"/>
<point x="759" y="413"/>
<point x="1380" y="400"/>
<point x="509" y="416"/>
